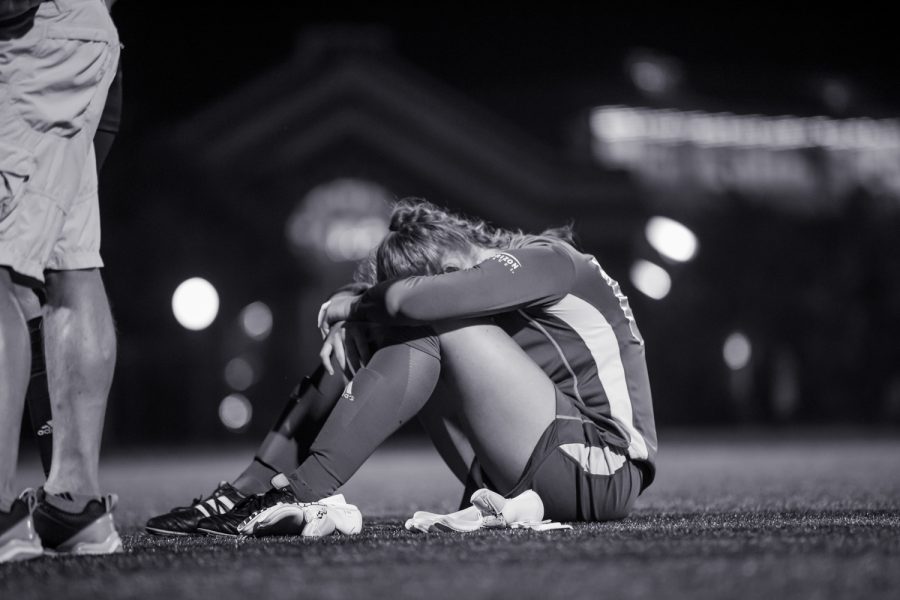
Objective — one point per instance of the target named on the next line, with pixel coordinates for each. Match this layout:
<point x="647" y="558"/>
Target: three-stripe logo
<point x="215" y="506"/>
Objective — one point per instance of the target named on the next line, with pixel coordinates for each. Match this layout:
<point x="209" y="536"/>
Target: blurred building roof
<point x="346" y="106"/>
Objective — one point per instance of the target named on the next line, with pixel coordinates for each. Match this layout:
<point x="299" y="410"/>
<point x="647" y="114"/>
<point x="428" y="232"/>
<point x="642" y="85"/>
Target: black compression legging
<point x="390" y="390"/>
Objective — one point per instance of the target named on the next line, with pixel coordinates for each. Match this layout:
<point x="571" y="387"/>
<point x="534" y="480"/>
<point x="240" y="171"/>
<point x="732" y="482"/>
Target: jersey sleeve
<point x="533" y="276"/>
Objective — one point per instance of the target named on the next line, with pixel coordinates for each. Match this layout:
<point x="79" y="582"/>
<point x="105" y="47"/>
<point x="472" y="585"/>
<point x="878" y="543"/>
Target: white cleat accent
<point x="489" y="510"/>
<point x="500" y="512"/>
<point x="468" y="519"/>
<point x="309" y="519"/>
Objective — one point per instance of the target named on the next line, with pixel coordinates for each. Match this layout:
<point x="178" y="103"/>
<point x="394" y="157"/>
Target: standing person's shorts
<point x="578" y="472"/>
<point x="53" y="85"/>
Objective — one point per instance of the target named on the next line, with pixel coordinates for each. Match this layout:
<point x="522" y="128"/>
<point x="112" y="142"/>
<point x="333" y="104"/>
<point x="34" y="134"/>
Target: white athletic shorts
<point x="53" y="85"/>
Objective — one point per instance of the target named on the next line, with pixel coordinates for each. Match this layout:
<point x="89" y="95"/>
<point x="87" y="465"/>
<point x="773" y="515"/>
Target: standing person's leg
<point x="14" y="367"/>
<point x="47" y="122"/>
<point x="38" y="396"/>
<point x="81" y="353"/>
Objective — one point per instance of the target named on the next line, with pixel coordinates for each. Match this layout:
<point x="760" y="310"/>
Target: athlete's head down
<point x="424" y="239"/>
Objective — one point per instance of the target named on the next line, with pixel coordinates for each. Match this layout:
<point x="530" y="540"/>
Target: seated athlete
<point x="520" y="356"/>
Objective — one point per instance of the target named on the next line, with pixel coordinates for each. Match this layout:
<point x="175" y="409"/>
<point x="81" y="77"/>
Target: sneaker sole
<point x="111" y="545"/>
<point x="100" y="537"/>
<point x="167" y="532"/>
<point x="217" y="533"/>
<point x="16" y="550"/>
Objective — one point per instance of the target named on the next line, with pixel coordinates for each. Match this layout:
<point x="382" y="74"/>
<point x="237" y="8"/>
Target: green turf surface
<point x="730" y="516"/>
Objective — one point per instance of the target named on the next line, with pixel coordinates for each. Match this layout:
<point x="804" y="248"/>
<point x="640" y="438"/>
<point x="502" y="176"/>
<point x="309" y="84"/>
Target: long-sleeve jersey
<point x="562" y="308"/>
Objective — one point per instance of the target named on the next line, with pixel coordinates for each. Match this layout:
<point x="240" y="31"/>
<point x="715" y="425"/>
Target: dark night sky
<point x="753" y="59"/>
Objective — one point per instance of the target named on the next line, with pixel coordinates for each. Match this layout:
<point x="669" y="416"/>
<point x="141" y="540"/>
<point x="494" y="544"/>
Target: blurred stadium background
<point x="740" y="177"/>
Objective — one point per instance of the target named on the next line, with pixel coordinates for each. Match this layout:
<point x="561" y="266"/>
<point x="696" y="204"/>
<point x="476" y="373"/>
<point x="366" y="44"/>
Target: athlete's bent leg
<point x="392" y="388"/>
<point x="81" y="352"/>
<point x="288" y="442"/>
<point x="505" y="400"/>
<point x="441" y="420"/>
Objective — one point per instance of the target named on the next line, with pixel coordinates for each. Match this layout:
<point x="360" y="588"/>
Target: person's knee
<point x="76" y="301"/>
<point x="70" y="288"/>
<point x="474" y="326"/>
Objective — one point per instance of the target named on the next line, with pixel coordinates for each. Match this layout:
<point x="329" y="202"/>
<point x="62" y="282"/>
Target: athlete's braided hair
<point x="421" y="233"/>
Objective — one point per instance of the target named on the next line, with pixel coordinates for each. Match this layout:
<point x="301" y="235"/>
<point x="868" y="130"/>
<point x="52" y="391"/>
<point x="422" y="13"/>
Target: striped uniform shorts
<point x="54" y="80"/>
<point x="577" y="473"/>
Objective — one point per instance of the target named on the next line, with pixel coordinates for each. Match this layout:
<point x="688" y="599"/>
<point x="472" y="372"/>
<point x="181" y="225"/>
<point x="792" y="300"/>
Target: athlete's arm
<point x="507" y="281"/>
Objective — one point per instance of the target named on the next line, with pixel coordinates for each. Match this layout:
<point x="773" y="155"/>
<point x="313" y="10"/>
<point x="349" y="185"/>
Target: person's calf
<point x="80" y="351"/>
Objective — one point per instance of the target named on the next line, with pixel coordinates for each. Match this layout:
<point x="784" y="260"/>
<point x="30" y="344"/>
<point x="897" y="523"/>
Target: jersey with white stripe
<point x="568" y="315"/>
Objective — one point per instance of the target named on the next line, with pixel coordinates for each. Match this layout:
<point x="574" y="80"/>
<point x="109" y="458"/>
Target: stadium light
<point x="671" y="239"/>
<point x="737" y="351"/>
<point x="256" y="320"/>
<point x="650" y="279"/>
<point x="239" y="374"/>
<point x="235" y="412"/>
<point x="195" y="304"/>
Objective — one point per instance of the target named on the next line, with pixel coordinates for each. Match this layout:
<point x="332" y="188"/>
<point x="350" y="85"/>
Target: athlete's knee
<point x="472" y="326"/>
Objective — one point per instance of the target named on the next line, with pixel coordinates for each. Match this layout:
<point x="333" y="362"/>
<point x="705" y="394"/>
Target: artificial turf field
<point x="731" y="515"/>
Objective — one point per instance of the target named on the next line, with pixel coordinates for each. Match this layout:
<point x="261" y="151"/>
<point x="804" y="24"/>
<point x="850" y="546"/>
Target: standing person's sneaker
<point x="18" y="540"/>
<point x="90" y="531"/>
<point x="183" y="520"/>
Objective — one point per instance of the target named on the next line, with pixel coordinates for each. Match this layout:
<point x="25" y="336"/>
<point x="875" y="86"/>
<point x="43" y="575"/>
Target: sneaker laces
<point x="260" y="502"/>
<point x="219" y="491"/>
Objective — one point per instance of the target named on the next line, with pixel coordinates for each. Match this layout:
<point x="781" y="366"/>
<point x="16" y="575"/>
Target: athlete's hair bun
<point x="410" y="212"/>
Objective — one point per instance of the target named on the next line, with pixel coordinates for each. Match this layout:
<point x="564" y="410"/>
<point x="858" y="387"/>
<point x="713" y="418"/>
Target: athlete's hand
<point x="335" y="343"/>
<point x="348" y="344"/>
<point x="336" y="310"/>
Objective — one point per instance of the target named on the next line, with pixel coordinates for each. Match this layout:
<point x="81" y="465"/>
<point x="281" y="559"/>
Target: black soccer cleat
<point x="91" y="531"/>
<point x="183" y="520"/>
<point x="227" y="524"/>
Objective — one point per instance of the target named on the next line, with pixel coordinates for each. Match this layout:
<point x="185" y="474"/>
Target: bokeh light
<point x="650" y="279"/>
<point x="671" y="239"/>
<point x="235" y="412"/>
<point x="353" y="240"/>
<point x="195" y="304"/>
<point x="256" y="320"/>
<point x="341" y="220"/>
<point x="737" y="351"/>
<point x="239" y="374"/>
